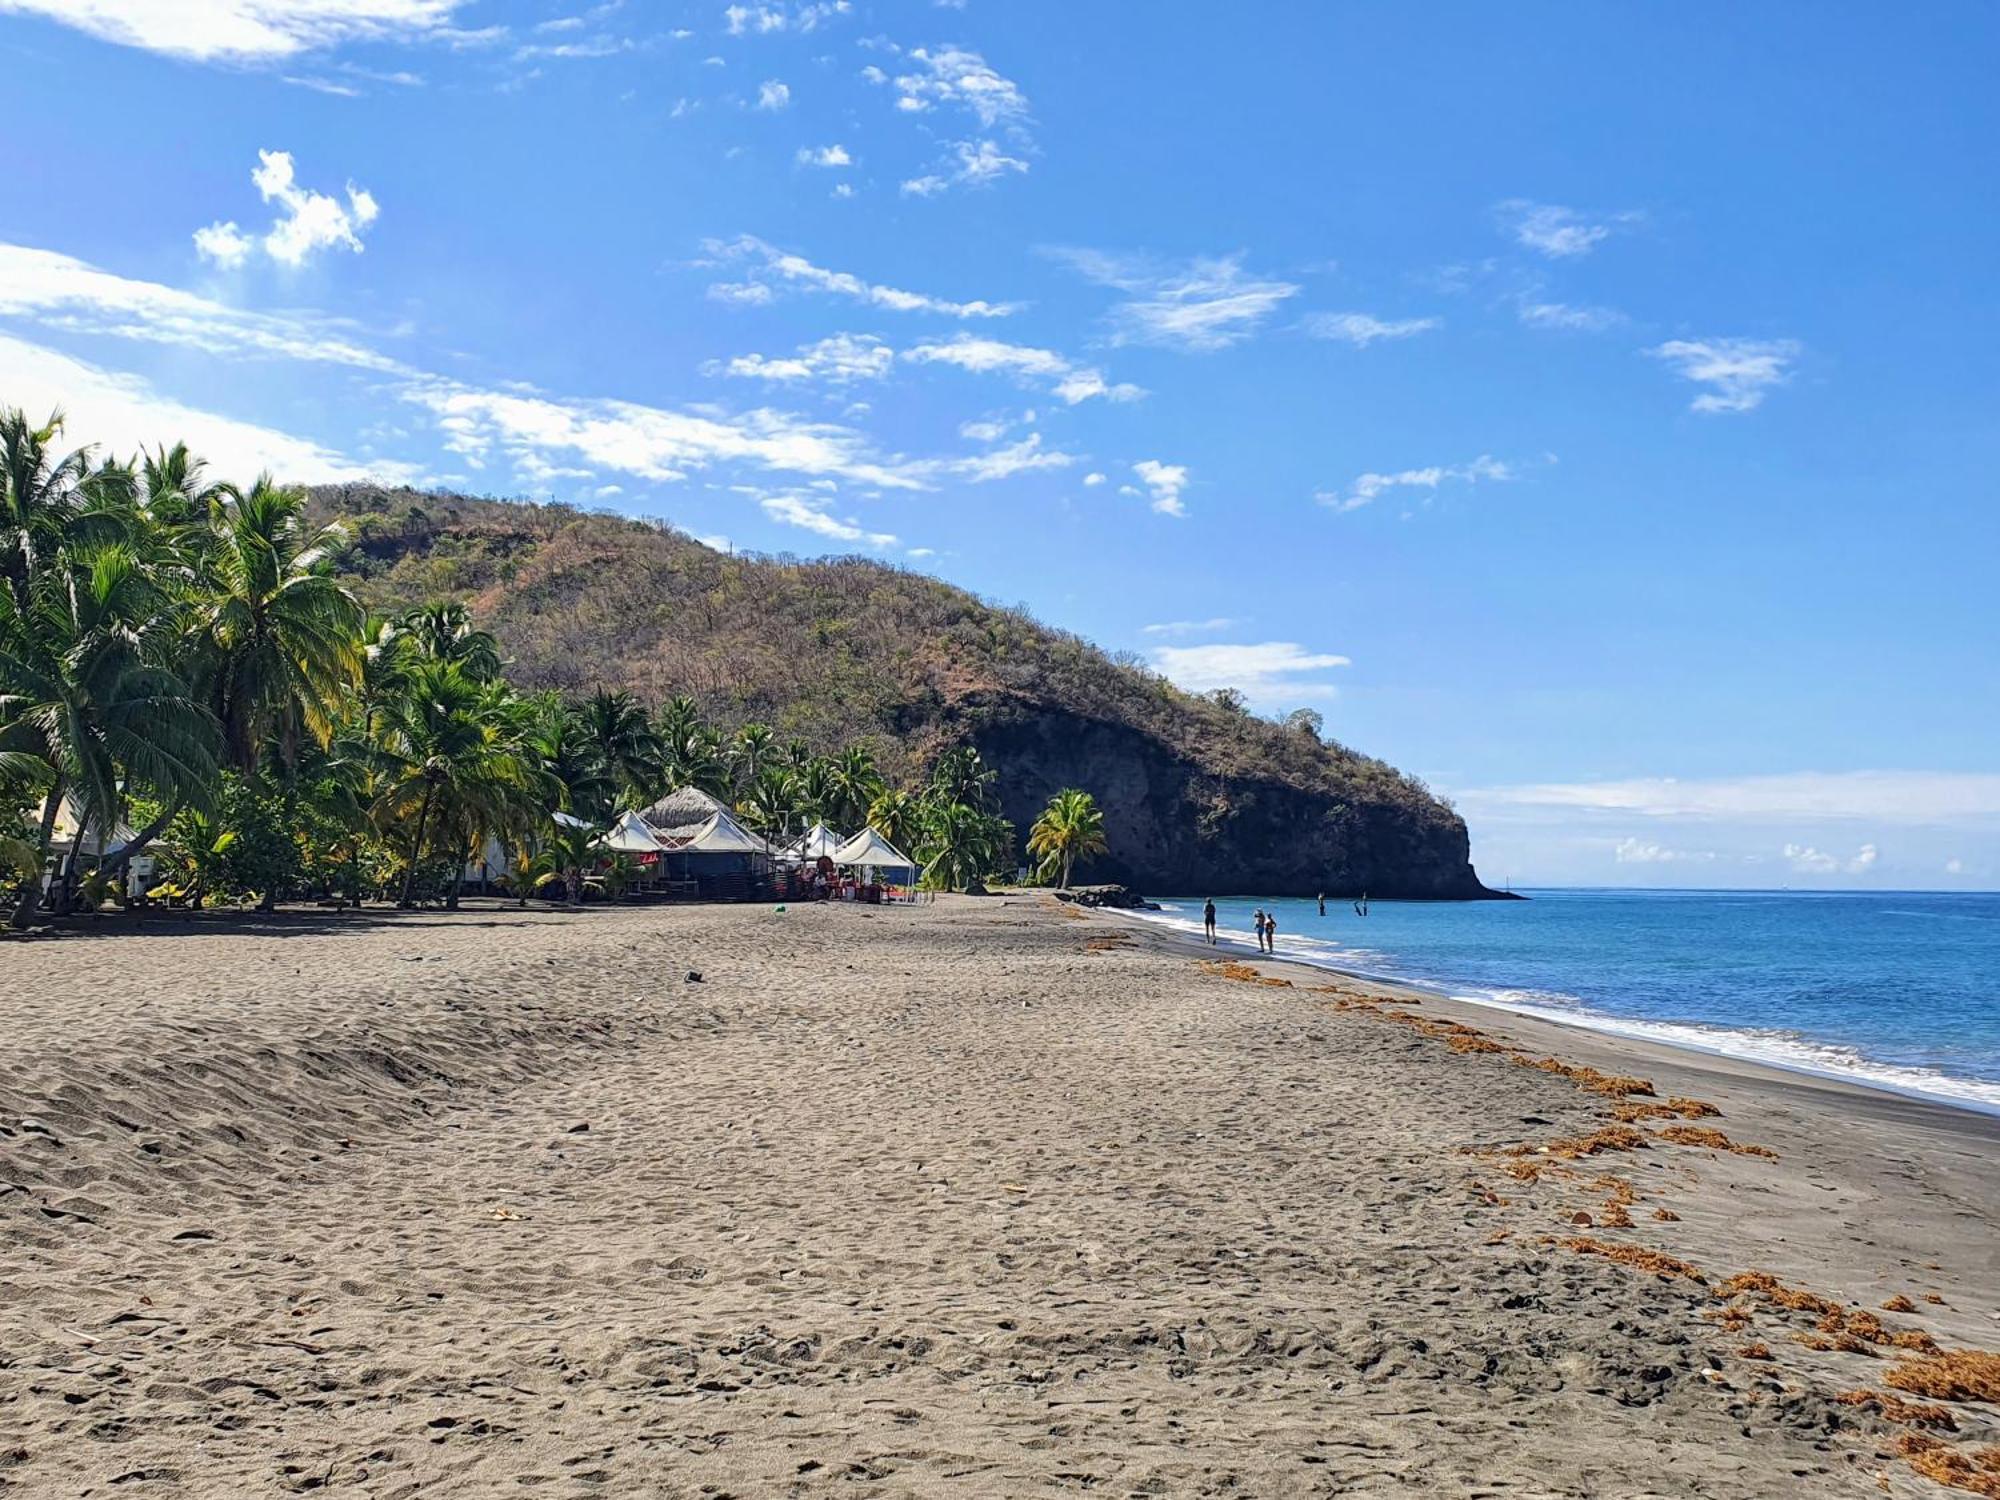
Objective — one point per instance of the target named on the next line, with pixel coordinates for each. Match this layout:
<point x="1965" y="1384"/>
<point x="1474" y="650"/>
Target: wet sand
<point x="983" y="1198"/>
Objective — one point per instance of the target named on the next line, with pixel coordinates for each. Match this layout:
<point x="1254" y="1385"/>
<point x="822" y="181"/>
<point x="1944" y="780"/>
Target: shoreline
<point x="1637" y="1031"/>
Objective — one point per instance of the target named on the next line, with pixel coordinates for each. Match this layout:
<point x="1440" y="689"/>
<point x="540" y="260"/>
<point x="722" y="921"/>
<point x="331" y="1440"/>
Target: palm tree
<point x="960" y="845"/>
<point x="754" y="747"/>
<point x="771" y="803"/>
<point x="690" y="752"/>
<point x="81" y="694"/>
<point x="624" y="739"/>
<point x="1070" y="828"/>
<point x="960" y="776"/>
<point x="853" y="784"/>
<point x="443" y="631"/>
<point x="897" y="816"/>
<point x="567" y="754"/>
<point x="282" y="636"/>
<point x="817" y="799"/>
<point x="447" y="763"/>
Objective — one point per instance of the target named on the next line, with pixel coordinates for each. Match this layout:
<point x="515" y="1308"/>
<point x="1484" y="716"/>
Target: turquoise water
<point x="1900" y="991"/>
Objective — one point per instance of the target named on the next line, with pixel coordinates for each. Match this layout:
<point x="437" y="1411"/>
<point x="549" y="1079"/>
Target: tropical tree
<point x="443" y="631"/>
<point x="770" y="805"/>
<point x="897" y="816"/>
<point x="961" y="776"/>
<point x="961" y="846"/>
<point x="448" y="766"/>
<point x="1070" y="828"/>
<point x="623" y="737"/>
<point x="753" y="747"/>
<point x="580" y="782"/>
<point x="690" y="751"/>
<point x="281" y="636"/>
<point x="853" y="783"/>
<point x="818" y="801"/>
<point x="43" y="498"/>
<point x="82" y="695"/>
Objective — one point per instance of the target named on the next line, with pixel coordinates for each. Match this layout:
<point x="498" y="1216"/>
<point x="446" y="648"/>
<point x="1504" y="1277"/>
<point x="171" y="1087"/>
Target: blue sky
<point x="1589" y="408"/>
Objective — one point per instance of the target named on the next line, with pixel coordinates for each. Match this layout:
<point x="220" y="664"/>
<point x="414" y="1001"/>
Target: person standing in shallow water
<point x="1257" y="921"/>
<point x="1322" y="903"/>
<point x="1208" y="919"/>
<point x="1271" y="934"/>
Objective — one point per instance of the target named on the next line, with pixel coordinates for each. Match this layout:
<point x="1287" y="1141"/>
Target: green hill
<point x="1198" y="794"/>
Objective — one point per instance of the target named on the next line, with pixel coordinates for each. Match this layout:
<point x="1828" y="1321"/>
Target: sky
<point x="1591" y="409"/>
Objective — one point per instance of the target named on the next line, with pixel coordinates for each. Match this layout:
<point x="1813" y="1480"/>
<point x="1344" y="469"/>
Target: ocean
<point x="1897" y="991"/>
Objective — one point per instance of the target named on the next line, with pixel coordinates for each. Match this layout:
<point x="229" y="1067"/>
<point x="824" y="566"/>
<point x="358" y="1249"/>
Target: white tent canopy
<point x="722" y="834"/>
<point x="869" y="850"/>
<point x="817" y="842"/>
<point x="630" y="835"/>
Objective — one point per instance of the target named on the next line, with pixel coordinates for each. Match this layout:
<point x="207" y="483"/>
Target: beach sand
<point x="981" y="1198"/>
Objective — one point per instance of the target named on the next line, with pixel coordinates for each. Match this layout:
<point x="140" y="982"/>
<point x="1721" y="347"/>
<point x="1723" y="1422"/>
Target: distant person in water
<point x="1208" y="920"/>
<point x="1257" y="921"/>
<point x="1322" y="903"/>
<point x="1271" y="933"/>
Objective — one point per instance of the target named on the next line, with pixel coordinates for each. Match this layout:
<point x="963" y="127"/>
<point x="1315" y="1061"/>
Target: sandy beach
<point x="983" y="1198"/>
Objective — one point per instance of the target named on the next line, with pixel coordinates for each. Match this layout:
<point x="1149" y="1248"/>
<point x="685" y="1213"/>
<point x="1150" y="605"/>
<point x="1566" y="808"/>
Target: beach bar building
<point x="704" y="851"/>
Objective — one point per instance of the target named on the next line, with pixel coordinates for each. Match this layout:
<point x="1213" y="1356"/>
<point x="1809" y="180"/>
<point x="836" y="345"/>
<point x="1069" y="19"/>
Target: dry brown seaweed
<point x="1713" y="1140"/>
<point x="1950" y="1375"/>
<point x="1666" y="1267"/>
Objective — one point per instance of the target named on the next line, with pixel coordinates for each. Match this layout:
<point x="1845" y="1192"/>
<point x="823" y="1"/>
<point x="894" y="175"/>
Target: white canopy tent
<point x="868" y="850"/>
<point x="722" y="834"/>
<point x="630" y="835"/>
<point x="817" y="842"/>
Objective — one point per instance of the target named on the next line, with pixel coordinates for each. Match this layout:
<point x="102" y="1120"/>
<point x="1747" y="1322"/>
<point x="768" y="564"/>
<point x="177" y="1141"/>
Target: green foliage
<point x="1070" y="828"/>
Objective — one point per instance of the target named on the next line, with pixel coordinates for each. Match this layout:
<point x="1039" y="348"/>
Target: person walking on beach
<point x="1271" y="934"/>
<point x="1257" y="921"/>
<point x="1208" y="920"/>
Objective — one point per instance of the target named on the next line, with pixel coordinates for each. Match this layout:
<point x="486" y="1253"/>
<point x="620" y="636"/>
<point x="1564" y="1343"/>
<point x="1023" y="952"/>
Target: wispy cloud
<point x="1737" y="372"/>
<point x="768" y="267"/>
<point x="810" y="512"/>
<point x="1206" y="305"/>
<point x="1557" y="232"/>
<point x="1070" y="382"/>
<point x="1565" y="317"/>
<point x="1363" y="329"/>
<point x="1190" y="627"/>
<point x="1267" y="672"/>
<point x="1165" y="481"/>
<point x="825" y="156"/>
<point x="1366" y="489"/>
<point x="840" y="360"/>
<point x="764" y="20"/>
<point x="1900" y="797"/>
<point x="246" y="30"/>
<point x="1026" y="456"/>
<point x="956" y="77"/>
<point x="773" y="94"/>
<point x="123" y="414"/>
<point x="307" y="222"/>
<point x="1806" y="860"/>
<point x="969" y="163"/>
<point x="1631" y="851"/>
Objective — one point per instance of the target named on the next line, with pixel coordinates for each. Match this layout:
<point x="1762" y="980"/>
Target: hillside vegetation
<point x="1197" y="793"/>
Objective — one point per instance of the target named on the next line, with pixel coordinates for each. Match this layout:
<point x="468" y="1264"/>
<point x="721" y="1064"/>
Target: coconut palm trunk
<point x="416" y="850"/>
<point x="31" y="889"/>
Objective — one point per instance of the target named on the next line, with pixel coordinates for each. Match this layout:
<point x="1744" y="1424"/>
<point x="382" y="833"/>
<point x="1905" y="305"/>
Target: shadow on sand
<point x="286" y="921"/>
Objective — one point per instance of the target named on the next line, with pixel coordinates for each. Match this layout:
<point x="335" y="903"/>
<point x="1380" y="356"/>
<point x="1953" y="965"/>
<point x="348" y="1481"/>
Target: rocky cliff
<point x="1199" y="796"/>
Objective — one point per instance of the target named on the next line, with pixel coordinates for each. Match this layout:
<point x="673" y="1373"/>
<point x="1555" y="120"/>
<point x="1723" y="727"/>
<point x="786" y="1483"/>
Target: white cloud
<point x="762" y="20"/>
<point x="1262" y="673"/>
<point x="1632" y="851"/>
<point x="1557" y="232"/>
<point x="1806" y="860"/>
<point x="1363" y="329"/>
<point x="1566" y="318"/>
<point x="981" y="356"/>
<point x="767" y="264"/>
<point x="839" y="360"/>
<point x="62" y="292"/>
<point x="825" y="156"/>
<point x="956" y="77"/>
<point x="1092" y="481"/>
<point x="1190" y="627"/>
<point x="809" y="513"/>
<point x="1208" y="304"/>
<point x="649" y="442"/>
<point x="773" y="94"/>
<point x="245" y="30"/>
<point x="1166" y="481"/>
<point x="1368" y="488"/>
<point x="121" y="413"/>
<point x="1737" y="372"/>
<point x="1023" y="457"/>
<point x="974" y="162"/>
<point x="306" y="222"/>
<point x="1895" y="797"/>
<point x="1954" y="867"/>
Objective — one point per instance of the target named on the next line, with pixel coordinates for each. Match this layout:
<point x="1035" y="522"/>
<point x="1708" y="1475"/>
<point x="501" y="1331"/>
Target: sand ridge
<point x="963" y="1199"/>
